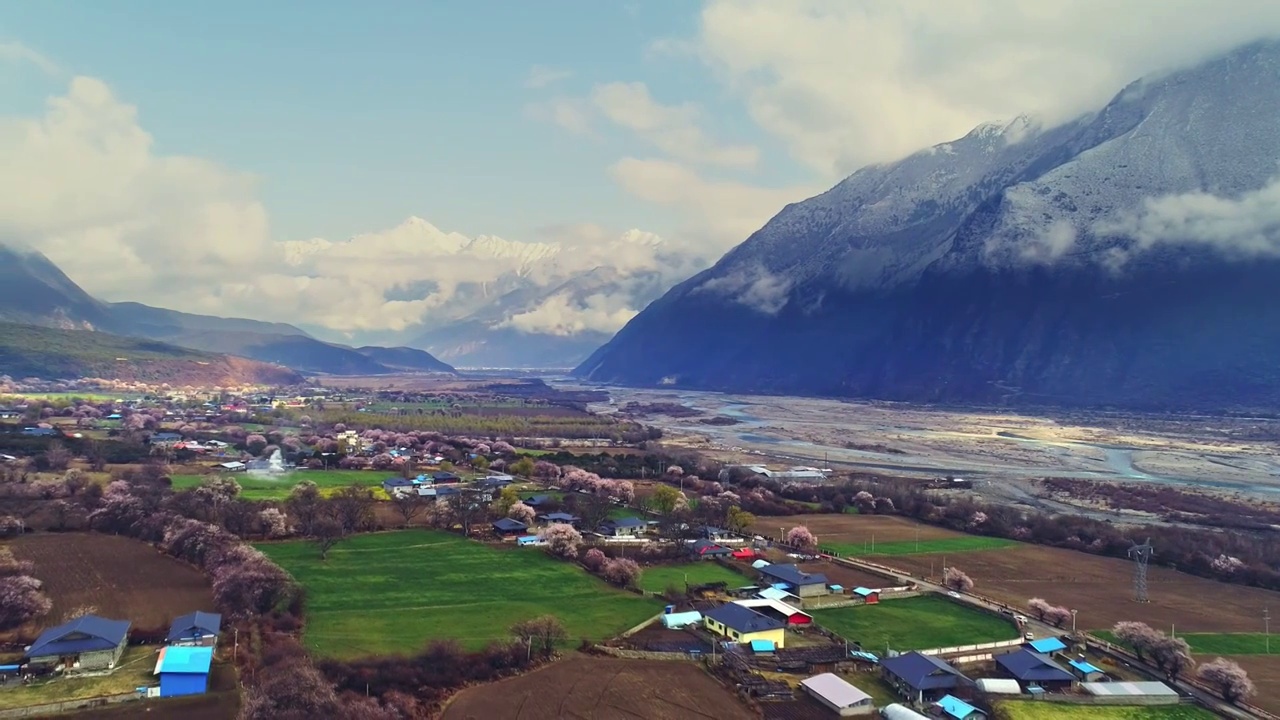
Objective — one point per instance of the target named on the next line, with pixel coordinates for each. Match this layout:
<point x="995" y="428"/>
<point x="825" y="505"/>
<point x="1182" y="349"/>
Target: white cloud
<point x="16" y="52"/>
<point x="1247" y="226"/>
<point x="559" y="315"/>
<point x="83" y="184"/>
<point x="722" y="211"/>
<point x="752" y="286"/>
<point x="673" y="129"/>
<point x="572" y="114"/>
<point x="541" y="76"/>
<point x="846" y="83"/>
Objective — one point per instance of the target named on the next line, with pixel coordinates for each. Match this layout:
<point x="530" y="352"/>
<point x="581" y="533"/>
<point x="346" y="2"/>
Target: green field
<point x="1218" y="643"/>
<point x="253" y="488"/>
<point x="967" y="543"/>
<point x="394" y="592"/>
<point x="656" y="579"/>
<point x="917" y="623"/>
<point x="1039" y="710"/>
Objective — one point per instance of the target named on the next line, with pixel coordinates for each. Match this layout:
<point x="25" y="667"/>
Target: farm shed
<point x="773" y="593"/>
<point x="1131" y="693"/>
<point x="900" y="712"/>
<point x="233" y="466"/>
<point x="795" y="580"/>
<point x="508" y="526"/>
<point x="86" y="643"/>
<point x="869" y="596"/>
<point x="999" y="686"/>
<point x="397" y="486"/>
<point x="840" y="696"/>
<point x="744" y="624"/>
<point x="954" y="708"/>
<point x="197" y="628"/>
<point x="1035" y="669"/>
<point x="745" y="553"/>
<point x="920" y="678"/>
<point x="529" y="540"/>
<point x="1047" y="646"/>
<point x="184" y="670"/>
<point x="1086" y="671"/>
<point x="682" y="619"/>
<point x="777" y="609"/>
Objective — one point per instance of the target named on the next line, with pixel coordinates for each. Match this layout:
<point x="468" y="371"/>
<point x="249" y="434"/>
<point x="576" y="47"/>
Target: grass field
<point x="1034" y="710"/>
<point x="969" y="543"/>
<point x="260" y="488"/>
<point x="394" y="592"/>
<point x="917" y="623"/>
<point x="656" y="579"/>
<point x="1220" y="643"/>
<point x="135" y="670"/>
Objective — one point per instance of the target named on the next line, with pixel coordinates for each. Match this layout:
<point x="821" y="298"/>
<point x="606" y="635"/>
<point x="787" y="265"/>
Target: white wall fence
<point x="973" y="648"/>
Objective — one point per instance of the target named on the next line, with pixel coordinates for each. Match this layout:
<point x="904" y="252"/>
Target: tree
<point x="800" y="537"/>
<point x="467" y="510"/>
<point x="274" y="523"/>
<point x="1172" y="655"/>
<point x="1141" y="637"/>
<point x="255" y="444"/>
<point x="665" y="499"/>
<point x="542" y="633"/>
<point x="622" y="572"/>
<point x="353" y="507"/>
<point x="593" y="509"/>
<point x="480" y="463"/>
<point x="523" y="513"/>
<point x="409" y="504"/>
<point x="1228" y="678"/>
<point x="57" y="458"/>
<point x="956" y="579"/>
<point x="506" y="499"/>
<point x="304" y="505"/>
<point x="1039" y="606"/>
<point x="594" y="559"/>
<point x="561" y="539"/>
<point x="738" y="520"/>
<point x="289" y="690"/>
<point x="326" y="532"/>
<point x="864" y="501"/>
<point x="522" y="468"/>
<point x="21" y="599"/>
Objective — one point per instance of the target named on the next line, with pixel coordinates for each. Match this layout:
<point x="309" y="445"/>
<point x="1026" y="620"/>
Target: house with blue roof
<point x="184" y="670"/>
<point x="538" y="502"/>
<point x="1033" y="669"/>
<point x="197" y="628"/>
<point x="559" y="517"/>
<point x="627" y="527"/>
<point x="445" y="477"/>
<point x="509" y="527"/>
<point x="1048" y="646"/>
<point x="742" y="624"/>
<point x="86" y="643"/>
<point x="794" y="580"/>
<point x="953" y="707"/>
<point x="867" y="595"/>
<point x="1086" y="671"/>
<point x="921" y="678"/>
<point x="39" y="432"/>
<point x="398" y="486"/>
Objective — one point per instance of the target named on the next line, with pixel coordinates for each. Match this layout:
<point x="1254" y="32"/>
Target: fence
<point x="973" y="648"/>
<point x="62" y="707"/>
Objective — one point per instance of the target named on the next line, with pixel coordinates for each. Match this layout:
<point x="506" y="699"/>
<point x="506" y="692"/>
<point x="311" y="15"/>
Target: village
<point x="789" y="608"/>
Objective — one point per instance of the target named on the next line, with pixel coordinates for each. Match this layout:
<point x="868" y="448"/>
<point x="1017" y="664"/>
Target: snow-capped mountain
<point x="1129" y="257"/>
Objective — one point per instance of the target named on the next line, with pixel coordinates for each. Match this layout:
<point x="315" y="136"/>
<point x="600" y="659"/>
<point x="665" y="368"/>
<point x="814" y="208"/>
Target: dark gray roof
<point x="509" y="525"/>
<point x="195" y="625"/>
<point x="560" y="517"/>
<point x="626" y="522"/>
<point x="1030" y="666"/>
<point x="793" y="575"/>
<point x="922" y="672"/>
<point x="84" y="634"/>
<point x="743" y="619"/>
<point x="397" y="482"/>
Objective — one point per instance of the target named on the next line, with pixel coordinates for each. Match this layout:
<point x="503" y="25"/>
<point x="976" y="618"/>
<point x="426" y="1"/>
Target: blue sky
<point x="356" y="116"/>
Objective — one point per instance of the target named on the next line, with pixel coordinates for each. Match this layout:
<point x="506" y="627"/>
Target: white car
<point x="954" y="594"/>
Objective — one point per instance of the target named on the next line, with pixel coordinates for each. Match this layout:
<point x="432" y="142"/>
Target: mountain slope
<point x="1127" y="258"/>
<point x="52" y="353"/>
<point x="405" y="359"/>
<point x="34" y="290"/>
<point x="154" y="322"/>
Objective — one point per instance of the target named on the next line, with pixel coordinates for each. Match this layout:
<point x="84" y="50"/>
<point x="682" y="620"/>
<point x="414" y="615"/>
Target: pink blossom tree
<point x="800" y="537"/>
<point x="522" y="512"/>
<point x="622" y="572"/>
<point x="1141" y="637"/>
<point x="594" y="559"/>
<point x="864" y="501"/>
<point x="255" y="443"/>
<point x="956" y="579"/>
<point x="21" y="599"/>
<point x="1228" y="678"/>
<point x="1226" y="565"/>
<point x="274" y="523"/>
<point x="561" y="540"/>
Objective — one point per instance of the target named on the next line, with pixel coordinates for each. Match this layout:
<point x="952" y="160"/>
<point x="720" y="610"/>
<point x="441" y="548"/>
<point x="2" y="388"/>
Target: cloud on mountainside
<point x="83" y="185"/>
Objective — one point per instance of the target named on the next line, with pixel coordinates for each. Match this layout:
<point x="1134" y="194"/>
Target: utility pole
<point x="1073" y="622"/>
<point x="1266" y="624"/>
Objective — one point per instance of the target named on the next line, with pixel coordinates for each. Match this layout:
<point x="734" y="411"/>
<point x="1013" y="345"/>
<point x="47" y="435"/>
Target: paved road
<point x="1043" y="630"/>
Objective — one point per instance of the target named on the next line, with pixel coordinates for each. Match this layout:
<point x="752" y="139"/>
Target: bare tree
<point x="325" y="533"/>
<point x="543" y="633"/>
<point x="409" y="504"/>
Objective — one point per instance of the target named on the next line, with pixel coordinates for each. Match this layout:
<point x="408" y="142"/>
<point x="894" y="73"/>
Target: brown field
<point x="589" y="688"/>
<point x="1101" y="588"/>
<point x="853" y="529"/>
<point x="847" y="576"/>
<point x="115" y="576"/>
<point x="1264" y="670"/>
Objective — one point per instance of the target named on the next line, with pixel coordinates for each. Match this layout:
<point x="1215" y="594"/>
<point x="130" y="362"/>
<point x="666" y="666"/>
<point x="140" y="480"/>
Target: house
<point x="920" y="678"/>
<point x="559" y="517"/>
<point x="492" y="483"/>
<point x="397" y="486"/>
<point x="795" y="581"/>
<point x="715" y="534"/>
<point x="777" y="609"/>
<point x="86" y="643"/>
<point x="529" y="541"/>
<point x="437" y="493"/>
<point x="953" y="708"/>
<point x="508" y="527"/>
<point x="164" y="438"/>
<point x="869" y="596"/>
<point x="1086" y="671"/>
<point x="39" y="432"/>
<point x="538" y="502"/>
<point x="445" y="477"/>
<point x="502" y="478"/>
<point x="1034" y="669"/>
<point x="197" y="628"/>
<point x="9" y="413"/>
<point x="706" y="549"/>
<point x="1047" y="646"/>
<point x="742" y="624"/>
<point x="834" y="692"/>
<point x="622" y="527"/>
<point x="184" y="670"/>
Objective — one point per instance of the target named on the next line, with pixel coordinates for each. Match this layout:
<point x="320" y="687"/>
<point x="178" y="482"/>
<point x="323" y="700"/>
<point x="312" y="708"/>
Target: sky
<point x="187" y="154"/>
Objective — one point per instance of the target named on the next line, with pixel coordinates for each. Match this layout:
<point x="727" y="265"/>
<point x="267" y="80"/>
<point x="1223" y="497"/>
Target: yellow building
<point x="742" y="624"/>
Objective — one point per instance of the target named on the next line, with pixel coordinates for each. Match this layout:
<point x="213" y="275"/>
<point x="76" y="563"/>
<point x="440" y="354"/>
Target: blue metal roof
<point x="560" y="517"/>
<point x="509" y="525"/>
<point x="773" y="593"/>
<point x="1084" y="667"/>
<point x="864" y="592"/>
<point x="184" y="660"/>
<point x="84" y="634"/>
<point x="922" y="672"/>
<point x="1030" y="666"/>
<point x="627" y="522"/>
<point x="955" y="707"/>
<point x="762" y="646"/>
<point x="793" y="575"/>
<point x="195" y="625"/>
<point x="1047" y="645"/>
<point x="743" y="619"/>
